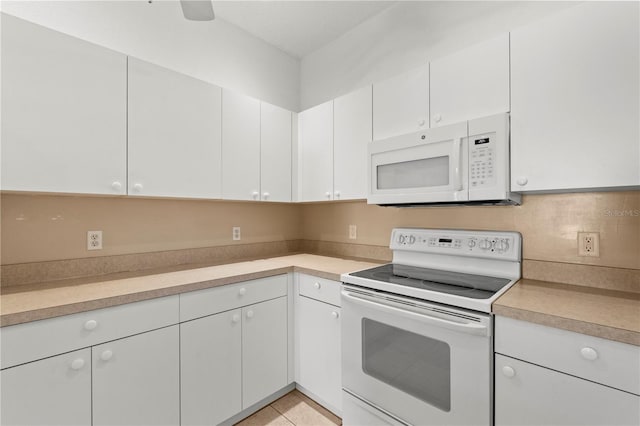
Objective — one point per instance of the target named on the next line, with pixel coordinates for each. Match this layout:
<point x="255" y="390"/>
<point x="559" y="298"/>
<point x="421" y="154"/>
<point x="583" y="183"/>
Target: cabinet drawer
<point x="197" y="304"/>
<point x="321" y="289"/>
<point x="39" y="339"/>
<point x="603" y="361"/>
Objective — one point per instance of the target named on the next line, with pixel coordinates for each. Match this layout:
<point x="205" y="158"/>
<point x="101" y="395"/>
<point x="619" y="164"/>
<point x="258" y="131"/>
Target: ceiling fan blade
<point x="197" y="10"/>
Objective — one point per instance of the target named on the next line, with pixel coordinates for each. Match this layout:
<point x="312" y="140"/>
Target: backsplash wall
<point x="39" y="228"/>
<point x="548" y="223"/>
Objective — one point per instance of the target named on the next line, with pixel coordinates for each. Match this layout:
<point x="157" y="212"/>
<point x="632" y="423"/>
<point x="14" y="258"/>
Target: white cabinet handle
<point x="422" y="122"/>
<point x="249" y="314"/>
<point x="255" y="195"/>
<point x="235" y="318"/>
<point x="138" y="187"/>
<point x="90" y="325"/>
<point x="242" y="291"/>
<point x="328" y="194"/>
<point x="77" y="364"/>
<point x="522" y="181"/>
<point x="508" y="371"/>
<point x="589" y="354"/>
<point x="337" y="194"/>
<point x="266" y="195"/>
<point x="437" y="118"/>
<point x="116" y="186"/>
<point x="335" y="314"/>
<point x="106" y="355"/>
<point x="317" y="286"/>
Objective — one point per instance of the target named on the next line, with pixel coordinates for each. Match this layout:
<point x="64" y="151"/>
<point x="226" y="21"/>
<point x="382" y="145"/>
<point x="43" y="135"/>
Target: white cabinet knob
<point x="77" y="364"/>
<point x="138" y="187"/>
<point x="90" y="325"/>
<point x="337" y="194"/>
<point x="266" y="195"/>
<point x="255" y="195"/>
<point x="317" y="286"/>
<point x="235" y="318"/>
<point x="116" y="186"/>
<point x="249" y="314"/>
<point x="589" y="353"/>
<point x="335" y="314"/>
<point x="437" y="118"/>
<point x="328" y="195"/>
<point x="421" y="122"/>
<point x="106" y="355"/>
<point x="242" y="291"/>
<point x="508" y="371"/>
<point x="522" y="181"/>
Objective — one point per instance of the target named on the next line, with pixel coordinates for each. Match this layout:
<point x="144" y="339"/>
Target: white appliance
<point x="462" y="163"/>
<point x="417" y="343"/>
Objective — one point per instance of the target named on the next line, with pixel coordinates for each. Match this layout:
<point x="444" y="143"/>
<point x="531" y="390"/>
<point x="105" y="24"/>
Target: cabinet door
<point x="530" y="395"/>
<point x="575" y="98"/>
<point x="319" y="349"/>
<point x="264" y="350"/>
<point x="471" y="83"/>
<point x="64" y="119"/>
<point x="275" y="153"/>
<point x="351" y="136"/>
<point x="52" y="391"/>
<point x="401" y="104"/>
<point x="174" y="133"/>
<point x="315" y="127"/>
<point x="240" y="147"/>
<point x="211" y="369"/>
<point x="136" y="380"/>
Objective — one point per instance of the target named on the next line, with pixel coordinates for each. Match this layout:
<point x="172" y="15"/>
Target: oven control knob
<point x="402" y="239"/>
<point x="502" y="245"/>
<point x="472" y="243"/>
<point x="484" y="244"/>
<point x="412" y="239"/>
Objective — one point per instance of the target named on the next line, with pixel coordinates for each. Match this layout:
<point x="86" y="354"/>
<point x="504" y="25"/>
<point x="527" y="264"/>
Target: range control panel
<point x="465" y="243"/>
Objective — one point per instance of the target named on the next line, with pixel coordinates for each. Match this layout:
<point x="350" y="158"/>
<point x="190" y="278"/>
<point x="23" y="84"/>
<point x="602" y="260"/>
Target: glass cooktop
<point x="456" y="283"/>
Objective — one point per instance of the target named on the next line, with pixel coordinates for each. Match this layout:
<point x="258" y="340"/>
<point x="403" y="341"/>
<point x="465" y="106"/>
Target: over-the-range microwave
<point x="462" y="163"/>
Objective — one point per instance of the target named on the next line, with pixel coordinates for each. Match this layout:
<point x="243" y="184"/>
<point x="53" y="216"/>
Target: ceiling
<point x="298" y="27"/>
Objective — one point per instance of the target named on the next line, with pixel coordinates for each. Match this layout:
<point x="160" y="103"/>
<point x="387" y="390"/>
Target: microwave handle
<point x="457" y="160"/>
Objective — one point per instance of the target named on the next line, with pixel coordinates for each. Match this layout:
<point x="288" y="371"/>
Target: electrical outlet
<point x="589" y="244"/>
<point x="94" y="240"/>
<point x="353" y="232"/>
<point x="235" y="232"/>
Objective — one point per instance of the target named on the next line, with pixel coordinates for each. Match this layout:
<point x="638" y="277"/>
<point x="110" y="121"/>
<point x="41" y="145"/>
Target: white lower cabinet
<point x="211" y="368"/>
<point x="52" y="391"/>
<point x="318" y="355"/>
<point x="136" y="380"/>
<point x="548" y="376"/>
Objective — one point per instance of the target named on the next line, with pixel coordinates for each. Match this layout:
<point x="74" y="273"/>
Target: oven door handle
<point x="457" y="162"/>
<point x="417" y="314"/>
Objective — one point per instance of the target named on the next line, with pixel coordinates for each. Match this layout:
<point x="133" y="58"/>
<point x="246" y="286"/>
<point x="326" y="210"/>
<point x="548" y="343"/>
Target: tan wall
<point x="548" y="224"/>
<point x="43" y="227"/>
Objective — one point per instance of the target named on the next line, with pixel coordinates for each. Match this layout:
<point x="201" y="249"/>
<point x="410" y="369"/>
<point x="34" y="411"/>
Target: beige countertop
<point x="610" y="314"/>
<point x="47" y="300"/>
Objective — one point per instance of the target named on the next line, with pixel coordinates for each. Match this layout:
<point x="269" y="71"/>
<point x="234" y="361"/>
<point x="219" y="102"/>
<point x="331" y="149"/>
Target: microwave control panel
<point x="482" y="158"/>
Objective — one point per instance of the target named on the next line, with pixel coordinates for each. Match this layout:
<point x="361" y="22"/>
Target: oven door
<point x="422" y="363"/>
<point x="423" y="167"/>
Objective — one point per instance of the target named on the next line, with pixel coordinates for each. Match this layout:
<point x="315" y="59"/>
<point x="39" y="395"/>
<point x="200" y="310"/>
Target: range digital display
<point x="445" y="240"/>
<point x="482" y="141"/>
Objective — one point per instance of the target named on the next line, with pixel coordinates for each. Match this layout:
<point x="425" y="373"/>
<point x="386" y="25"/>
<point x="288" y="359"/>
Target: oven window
<point x="414" y="174"/>
<point x="410" y="362"/>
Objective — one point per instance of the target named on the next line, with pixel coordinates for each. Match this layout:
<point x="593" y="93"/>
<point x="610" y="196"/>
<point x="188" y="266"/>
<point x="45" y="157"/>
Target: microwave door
<point x="424" y="167"/>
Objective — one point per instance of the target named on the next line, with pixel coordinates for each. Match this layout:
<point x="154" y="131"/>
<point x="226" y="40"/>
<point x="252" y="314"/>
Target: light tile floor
<point x="293" y="409"/>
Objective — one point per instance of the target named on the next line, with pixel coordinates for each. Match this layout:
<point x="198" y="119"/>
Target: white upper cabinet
<point x="315" y="138"/>
<point x="351" y="136"/>
<point x="240" y="147"/>
<point x="64" y="119"/>
<point x="471" y="83"/>
<point x="174" y="133"/>
<point x="575" y="99"/>
<point x="401" y="104"/>
<point x="275" y="153"/>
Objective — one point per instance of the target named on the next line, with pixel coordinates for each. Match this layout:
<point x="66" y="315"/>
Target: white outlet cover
<point x="94" y="240"/>
<point x="353" y="232"/>
<point x="589" y="244"/>
<point x="235" y="233"/>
